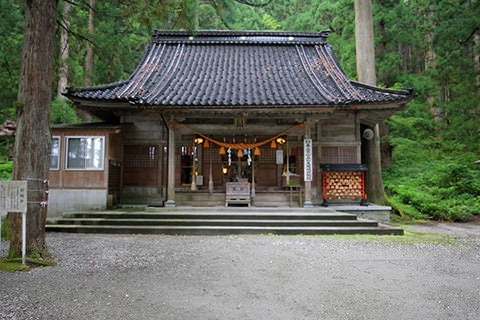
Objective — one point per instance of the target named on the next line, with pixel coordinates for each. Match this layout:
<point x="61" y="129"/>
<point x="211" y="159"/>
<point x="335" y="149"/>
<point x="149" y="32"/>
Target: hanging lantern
<point x="222" y="151"/>
<point x="198" y="140"/>
<point x="257" y="151"/>
<point x="206" y="145"/>
<point x="281" y="140"/>
<point x="240" y="153"/>
<point x="224" y="169"/>
<point x="273" y="145"/>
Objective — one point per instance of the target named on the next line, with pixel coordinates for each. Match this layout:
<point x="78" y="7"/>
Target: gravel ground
<point x="249" y="277"/>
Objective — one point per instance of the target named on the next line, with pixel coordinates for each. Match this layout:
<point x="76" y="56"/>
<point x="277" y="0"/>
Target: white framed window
<point x="55" y="153"/>
<point x="85" y="152"/>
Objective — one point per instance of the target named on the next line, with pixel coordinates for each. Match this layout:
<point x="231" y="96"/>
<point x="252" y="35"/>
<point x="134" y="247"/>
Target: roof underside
<point x="239" y="69"/>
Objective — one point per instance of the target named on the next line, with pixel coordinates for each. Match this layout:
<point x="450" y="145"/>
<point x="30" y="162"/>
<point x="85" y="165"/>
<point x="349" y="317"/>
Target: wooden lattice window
<point x="141" y="165"/>
<point x="141" y="156"/>
<point x="339" y="155"/>
<point x="268" y="155"/>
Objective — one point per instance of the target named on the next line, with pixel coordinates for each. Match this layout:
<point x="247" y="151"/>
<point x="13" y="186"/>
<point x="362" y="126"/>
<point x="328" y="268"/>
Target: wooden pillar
<point x="194" y="168"/>
<point x="171" y="166"/>
<point x="253" y="177"/>
<point x="375" y="192"/>
<point x="308" y="184"/>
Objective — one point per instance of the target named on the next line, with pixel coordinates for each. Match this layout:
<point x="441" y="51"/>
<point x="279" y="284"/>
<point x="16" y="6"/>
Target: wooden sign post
<point x="13" y="198"/>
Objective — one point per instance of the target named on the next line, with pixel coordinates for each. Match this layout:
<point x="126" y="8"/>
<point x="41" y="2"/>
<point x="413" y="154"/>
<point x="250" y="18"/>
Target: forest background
<point x="432" y="46"/>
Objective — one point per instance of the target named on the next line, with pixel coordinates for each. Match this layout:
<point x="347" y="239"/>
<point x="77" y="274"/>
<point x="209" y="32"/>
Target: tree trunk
<point x="476" y="49"/>
<point x="89" y="58"/>
<point x="89" y="67"/>
<point x="32" y="140"/>
<point x="64" y="48"/>
<point x="364" y="45"/>
<point x="430" y="60"/>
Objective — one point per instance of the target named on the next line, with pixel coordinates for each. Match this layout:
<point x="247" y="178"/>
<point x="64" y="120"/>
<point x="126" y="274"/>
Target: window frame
<point x="59" y="154"/>
<point x="102" y="167"/>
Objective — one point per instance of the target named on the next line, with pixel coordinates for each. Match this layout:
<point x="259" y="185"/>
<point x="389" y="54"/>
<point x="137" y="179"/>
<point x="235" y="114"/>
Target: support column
<point x="171" y="166"/>
<point x="308" y="184"/>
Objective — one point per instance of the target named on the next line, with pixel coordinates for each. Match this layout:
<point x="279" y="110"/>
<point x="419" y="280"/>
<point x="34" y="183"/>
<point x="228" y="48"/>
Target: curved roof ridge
<point x="239" y="37"/>
<point x="407" y="91"/>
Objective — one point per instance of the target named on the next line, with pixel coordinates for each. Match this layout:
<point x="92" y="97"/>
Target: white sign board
<point x="308" y="159"/>
<point x="13" y="196"/>
<point x="279" y="157"/>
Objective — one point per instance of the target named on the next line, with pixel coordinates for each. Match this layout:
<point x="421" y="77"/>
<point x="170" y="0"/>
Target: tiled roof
<point x="91" y="125"/>
<point x="239" y="69"/>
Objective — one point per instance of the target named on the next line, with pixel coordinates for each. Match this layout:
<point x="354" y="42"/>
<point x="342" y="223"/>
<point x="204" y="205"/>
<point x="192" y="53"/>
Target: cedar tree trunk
<point x="89" y="58"/>
<point x="32" y="140"/>
<point x="89" y="50"/>
<point x="365" y="51"/>
<point x="64" y="51"/>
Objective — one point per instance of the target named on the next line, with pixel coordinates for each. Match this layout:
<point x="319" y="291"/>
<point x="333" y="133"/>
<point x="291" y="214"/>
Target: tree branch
<point x="219" y="14"/>
<point x="77" y="35"/>
<point x="470" y="36"/>
<point x="83" y="4"/>
<point x="251" y="4"/>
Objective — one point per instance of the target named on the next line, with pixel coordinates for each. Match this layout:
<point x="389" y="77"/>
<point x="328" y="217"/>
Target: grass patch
<point x="15" y="264"/>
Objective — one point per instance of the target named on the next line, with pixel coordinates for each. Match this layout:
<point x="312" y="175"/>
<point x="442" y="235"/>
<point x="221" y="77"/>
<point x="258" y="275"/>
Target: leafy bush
<point x="62" y="112"/>
<point x="6" y="171"/>
<point x="432" y="177"/>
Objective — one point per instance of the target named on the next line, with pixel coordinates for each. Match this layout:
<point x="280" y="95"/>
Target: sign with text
<point x="279" y="157"/>
<point x="308" y="159"/>
<point x="13" y="196"/>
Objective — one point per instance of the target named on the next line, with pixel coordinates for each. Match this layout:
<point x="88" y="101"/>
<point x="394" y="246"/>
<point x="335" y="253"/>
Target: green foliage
<point x="431" y="179"/>
<point x="11" y="39"/>
<point x="6" y="229"/>
<point x="61" y="111"/>
<point x="6" y="171"/>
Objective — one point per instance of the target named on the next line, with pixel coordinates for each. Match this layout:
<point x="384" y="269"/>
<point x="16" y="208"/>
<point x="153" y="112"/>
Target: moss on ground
<point x="15" y="264"/>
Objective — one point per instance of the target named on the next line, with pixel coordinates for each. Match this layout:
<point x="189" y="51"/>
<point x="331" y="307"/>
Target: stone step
<point x="244" y="209"/>
<point x="215" y="222"/>
<point x="224" y="230"/>
<point x="228" y="215"/>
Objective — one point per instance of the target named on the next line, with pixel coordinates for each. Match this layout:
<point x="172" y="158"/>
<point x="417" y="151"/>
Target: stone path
<point x="249" y="277"/>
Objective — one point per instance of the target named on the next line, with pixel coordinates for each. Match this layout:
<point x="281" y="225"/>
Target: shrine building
<point x="222" y="118"/>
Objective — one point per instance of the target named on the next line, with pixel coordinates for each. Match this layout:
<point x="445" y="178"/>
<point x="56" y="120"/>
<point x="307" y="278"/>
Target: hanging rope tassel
<point x="240" y="153"/>
<point x="273" y="145"/>
<point x="222" y="151"/>
<point x="206" y="145"/>
<point x="257" y="151"/>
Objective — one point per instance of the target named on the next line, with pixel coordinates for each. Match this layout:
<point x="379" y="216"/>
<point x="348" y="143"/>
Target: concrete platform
<point x="371" y="212"/>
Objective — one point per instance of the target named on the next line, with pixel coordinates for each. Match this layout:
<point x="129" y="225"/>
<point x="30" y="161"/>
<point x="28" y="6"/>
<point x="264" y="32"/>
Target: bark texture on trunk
<point x="477" y="59"/>
<point x="64" y="51"/>
<point x="89" y="67"/>
<point x="365" y="51"/>
<point x="364" y="43"/>
<point x="32" y="140"/>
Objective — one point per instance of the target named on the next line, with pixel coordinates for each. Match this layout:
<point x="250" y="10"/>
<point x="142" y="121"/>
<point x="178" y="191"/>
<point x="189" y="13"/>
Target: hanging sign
<point x="308" y="159"/>
<point x="279" y="157"/>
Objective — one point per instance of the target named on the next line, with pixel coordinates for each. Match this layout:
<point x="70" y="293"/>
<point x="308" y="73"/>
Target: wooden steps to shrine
<point x="218" y="221"/>
<point x="262" y="199"/>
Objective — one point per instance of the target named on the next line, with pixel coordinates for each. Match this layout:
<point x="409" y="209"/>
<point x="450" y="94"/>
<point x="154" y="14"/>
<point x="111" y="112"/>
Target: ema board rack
<point x="343" y="183"/>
